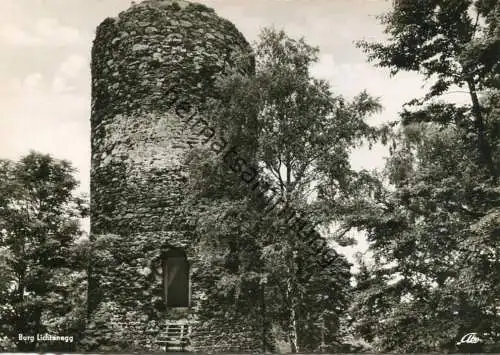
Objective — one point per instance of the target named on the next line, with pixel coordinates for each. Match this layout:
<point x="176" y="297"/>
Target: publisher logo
<point x="470" y="338"/>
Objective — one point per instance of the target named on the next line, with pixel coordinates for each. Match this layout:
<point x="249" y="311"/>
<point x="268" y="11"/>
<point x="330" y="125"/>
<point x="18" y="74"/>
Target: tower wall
<point x="152" y="56"/>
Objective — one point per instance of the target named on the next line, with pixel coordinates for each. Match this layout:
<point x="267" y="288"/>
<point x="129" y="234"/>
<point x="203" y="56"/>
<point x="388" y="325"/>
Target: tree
<point x="290" y="139"/>
<point x="434" y="277"/>
<point x="454" y="44"/>
<point x="420" y="220"/>
<point x="39" y="222"/>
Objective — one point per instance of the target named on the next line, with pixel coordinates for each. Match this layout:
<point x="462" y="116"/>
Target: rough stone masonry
<point x="153" y="55"/>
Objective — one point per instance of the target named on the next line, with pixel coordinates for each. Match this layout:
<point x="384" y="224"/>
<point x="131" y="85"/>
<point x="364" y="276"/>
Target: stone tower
<point x="144" y="62"/>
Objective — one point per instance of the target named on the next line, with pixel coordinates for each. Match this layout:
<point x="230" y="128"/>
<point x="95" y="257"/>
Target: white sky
<point x="45" y="71"/>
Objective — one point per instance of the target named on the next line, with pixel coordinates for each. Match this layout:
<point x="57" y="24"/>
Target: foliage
<point x="40" y="286"/>
<point x="431" y="215"/>
<point x="425" y="245"/>
<point x="453" y="43"/>
<point x="291" y="139"/>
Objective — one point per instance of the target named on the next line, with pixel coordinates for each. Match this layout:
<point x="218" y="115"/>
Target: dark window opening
<point x="176" y="278"/>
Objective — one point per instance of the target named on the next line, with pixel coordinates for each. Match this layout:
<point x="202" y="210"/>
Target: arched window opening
<point x="176" y="278"/>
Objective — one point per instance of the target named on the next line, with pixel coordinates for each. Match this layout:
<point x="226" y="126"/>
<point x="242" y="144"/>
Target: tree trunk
<point x="484" y="147"/>
<point x="291" y="282"/>
<point x="20" y="315"/>
<point x="292" y="321"/>
<point x="264" y="317"/>
<point x="292" y="303"/>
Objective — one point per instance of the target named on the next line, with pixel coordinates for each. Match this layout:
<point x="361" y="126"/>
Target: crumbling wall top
<point x="158" y="52"/>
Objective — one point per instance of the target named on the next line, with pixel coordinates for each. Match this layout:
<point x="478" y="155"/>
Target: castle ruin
<point x="144" y="62"/>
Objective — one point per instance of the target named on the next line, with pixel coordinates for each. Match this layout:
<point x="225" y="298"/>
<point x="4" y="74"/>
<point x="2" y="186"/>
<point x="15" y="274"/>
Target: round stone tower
<point x="153" y="56"/>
